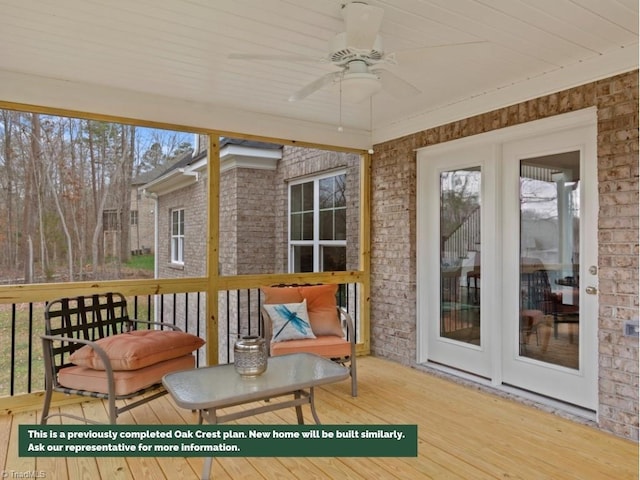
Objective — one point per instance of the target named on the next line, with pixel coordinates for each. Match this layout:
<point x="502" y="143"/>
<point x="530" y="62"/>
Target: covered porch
<point x="463" y="432"/>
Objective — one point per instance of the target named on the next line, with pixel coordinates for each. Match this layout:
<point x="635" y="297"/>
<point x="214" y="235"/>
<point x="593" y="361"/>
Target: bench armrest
<point x="47" y="345"/>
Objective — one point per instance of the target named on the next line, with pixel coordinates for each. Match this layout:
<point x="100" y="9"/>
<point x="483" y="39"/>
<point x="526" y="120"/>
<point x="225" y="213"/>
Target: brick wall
<point x="195" y="225"/>
<point x="227" y="223"/>
<point x="247" y="218"/>
<point x="393" y="251"/>
<point x="617" y="101"/>
<point x="195" y="231"/>
<point x="393" y="289"/>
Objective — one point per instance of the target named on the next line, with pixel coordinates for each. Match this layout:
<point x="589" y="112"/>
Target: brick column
<point x="618" y="252"/>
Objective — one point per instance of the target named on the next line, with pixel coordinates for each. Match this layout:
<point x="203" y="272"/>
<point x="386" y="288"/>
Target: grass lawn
<point x="142" y="262"/>
<point x="21" y="348"/>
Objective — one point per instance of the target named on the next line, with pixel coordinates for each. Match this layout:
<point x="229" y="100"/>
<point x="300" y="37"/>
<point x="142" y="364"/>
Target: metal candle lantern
<point x="250" y="356"/>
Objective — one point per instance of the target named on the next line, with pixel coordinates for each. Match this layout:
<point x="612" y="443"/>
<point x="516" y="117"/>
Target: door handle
<point x="591" y="290"/>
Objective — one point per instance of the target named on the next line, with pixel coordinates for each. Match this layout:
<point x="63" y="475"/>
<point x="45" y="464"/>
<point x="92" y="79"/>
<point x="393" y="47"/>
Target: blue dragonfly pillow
<point x="290" y="321"/>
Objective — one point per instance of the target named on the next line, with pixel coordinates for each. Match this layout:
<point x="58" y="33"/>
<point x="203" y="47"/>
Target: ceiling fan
<point x="358" y="53"/>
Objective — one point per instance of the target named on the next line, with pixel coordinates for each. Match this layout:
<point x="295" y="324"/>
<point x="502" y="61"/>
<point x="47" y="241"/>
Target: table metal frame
<point x="209" y="389"/>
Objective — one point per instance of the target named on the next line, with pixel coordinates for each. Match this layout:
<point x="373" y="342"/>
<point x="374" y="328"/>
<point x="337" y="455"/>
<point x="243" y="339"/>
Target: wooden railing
<point x="182" y="302"/>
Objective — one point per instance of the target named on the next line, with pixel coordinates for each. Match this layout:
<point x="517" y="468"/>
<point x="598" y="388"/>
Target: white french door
<point x="550" y="335"/>
<point x="458" y="190"/>
<point x="507" y="232"/>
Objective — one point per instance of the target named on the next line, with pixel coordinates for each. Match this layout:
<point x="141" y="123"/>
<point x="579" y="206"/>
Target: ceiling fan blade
<point x="275" y="57"/>
<point x="395" y="85"/>
<point x="362" y="24"/>
<point x="314" y="86"/>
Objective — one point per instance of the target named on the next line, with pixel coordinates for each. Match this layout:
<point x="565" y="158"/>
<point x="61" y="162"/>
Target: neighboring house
<point x="282" y="209"/>
<point x="179" y="195"/>
<point x="141" y="218"/>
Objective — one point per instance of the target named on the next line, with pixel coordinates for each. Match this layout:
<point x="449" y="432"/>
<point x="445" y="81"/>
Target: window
<point x="110" y="221"/>
<point x="318" y="224"/>
<point x="133" y="217"/>
<point x="177" y="236"/>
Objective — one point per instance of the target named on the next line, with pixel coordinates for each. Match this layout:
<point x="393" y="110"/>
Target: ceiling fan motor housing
<point x="340" y="53"/>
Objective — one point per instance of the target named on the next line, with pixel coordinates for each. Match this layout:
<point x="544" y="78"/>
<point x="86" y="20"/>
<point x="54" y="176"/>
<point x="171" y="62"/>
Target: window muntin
<point x="318" y="224"/>
<point x="177" y="236"/>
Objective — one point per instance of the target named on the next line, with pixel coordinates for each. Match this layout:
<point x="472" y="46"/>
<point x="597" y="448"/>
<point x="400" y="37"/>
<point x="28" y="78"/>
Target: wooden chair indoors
<point x="308" y="319"/>
<point x="541" y="307"/>
<point x="92" y="348"/>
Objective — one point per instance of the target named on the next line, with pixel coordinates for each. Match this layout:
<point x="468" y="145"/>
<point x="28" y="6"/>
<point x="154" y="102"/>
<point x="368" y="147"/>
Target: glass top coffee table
<point x="211" y="388"/>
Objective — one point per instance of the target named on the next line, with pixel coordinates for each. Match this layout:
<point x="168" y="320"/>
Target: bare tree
<point x="27" y="212"/>
<point x="9" y="250"/>
<point x="49" y="174"/>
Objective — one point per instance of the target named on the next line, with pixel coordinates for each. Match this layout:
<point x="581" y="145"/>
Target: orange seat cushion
<point x="137" y="349"/>
<point x="328" y="346"/>
<point x="126" y="381"/>
<point x="321" y="305"/>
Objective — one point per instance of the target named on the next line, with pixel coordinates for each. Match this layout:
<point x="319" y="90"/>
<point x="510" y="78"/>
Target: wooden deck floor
<point x="463" y="434"/>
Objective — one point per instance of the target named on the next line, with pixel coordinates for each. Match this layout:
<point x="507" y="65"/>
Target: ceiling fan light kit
<point x="357" y="83"/>
<point x="357" y="87"/>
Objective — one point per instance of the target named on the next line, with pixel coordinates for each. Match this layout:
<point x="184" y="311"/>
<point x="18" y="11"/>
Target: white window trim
<point x="177" y="257"/>
<point x="316" y="242"/>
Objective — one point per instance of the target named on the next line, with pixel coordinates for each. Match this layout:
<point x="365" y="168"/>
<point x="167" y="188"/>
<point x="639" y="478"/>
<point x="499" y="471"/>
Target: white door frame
<point x="424" y="231"/>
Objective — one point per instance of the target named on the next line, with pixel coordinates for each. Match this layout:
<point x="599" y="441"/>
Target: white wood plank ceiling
<point x="177" y="52"/>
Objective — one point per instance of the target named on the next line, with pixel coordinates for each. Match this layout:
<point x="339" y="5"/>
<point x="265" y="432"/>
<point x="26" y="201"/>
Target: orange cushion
<point x="126" y="381"/>
<point x="321" y="305"/>
<point x="322" y="308"/>
<point x="281" y="295"/>
<point x="327" y="346"/>
<point x="137" y="349"/>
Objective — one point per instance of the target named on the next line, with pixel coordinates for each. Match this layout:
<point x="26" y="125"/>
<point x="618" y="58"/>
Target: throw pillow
<point x="281" y="295"/>
<point x="322" y="307"/>
<point x="290" y="321"/>
<point x="137" y="349"/>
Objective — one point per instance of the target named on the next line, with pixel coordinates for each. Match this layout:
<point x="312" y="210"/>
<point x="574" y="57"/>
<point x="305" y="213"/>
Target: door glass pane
<point x="460" y="255"/>
<point x="549" y="258"/>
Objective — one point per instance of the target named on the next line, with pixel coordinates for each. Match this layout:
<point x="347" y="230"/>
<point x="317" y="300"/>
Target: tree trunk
<point x="27" y="212"/>
<point x="10" y="258"/>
